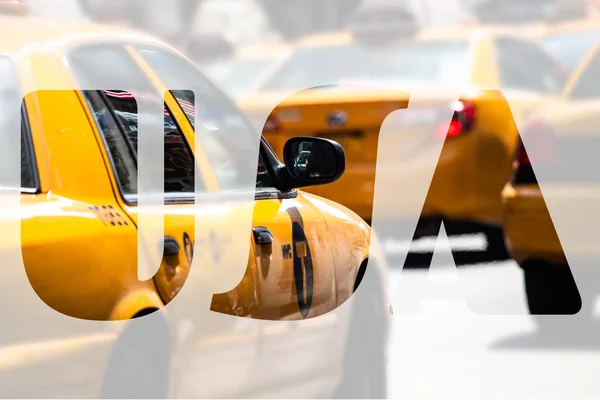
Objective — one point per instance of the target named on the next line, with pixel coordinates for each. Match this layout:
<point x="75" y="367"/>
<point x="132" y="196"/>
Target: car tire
<point x="550" y="289"/>
<point x="139" y="366"/>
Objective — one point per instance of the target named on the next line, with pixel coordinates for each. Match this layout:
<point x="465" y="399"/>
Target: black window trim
<point x="26" y="129"/>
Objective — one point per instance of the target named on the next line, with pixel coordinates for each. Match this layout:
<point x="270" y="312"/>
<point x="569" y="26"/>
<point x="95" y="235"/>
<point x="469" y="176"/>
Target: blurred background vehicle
<point x="366" y="70"/>
<point x="561" y="140"/>
<point x="244" y="71"/>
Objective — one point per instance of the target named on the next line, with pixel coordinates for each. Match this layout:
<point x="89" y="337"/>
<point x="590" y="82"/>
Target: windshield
<point x="237" y="76"/>
<point x="437" y="62"/>
<point x="588" y="84"/>
<point x="569" y="49"/>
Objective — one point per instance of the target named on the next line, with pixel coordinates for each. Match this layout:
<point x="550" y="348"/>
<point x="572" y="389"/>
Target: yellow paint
<point x="66" y="226"/>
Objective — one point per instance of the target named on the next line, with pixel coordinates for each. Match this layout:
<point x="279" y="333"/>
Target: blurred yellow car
<point x="560" y="154"/>
<point x="248" y="68"/>
<point x="355" y="93"/>
<point x="79" y="219"/>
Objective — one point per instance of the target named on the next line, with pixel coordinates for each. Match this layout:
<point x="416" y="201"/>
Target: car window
<point x="570" y="48"/>
<point x="10" y="94"/>
<point x="116" y="115"/>
<point x="413" y="61"/>
<point x="263" y="178"/>
<point x="228" y="139"/>
<point x="525" y="66"/>
<point x="588" y="85"/>
<point x="28" y="174"/>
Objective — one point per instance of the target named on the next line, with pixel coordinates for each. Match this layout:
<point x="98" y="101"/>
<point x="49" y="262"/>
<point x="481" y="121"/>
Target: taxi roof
<point x="18" y="33"/>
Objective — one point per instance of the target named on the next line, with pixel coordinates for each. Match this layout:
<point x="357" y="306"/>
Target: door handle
<point x="171" y="247"/>
<point x="262" y="235"/>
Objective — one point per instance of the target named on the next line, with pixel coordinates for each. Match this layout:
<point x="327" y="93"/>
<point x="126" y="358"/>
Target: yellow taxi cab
<point x="343" y="88"/>
<point x="247" y="68"/>
<point x="554" y="190"/>
<point x="80" y="213"/>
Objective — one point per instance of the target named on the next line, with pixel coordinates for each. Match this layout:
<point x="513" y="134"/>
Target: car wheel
<point x="365" y="364"/>
<point x="550" y="289"/>
<point x="139" y="366"/>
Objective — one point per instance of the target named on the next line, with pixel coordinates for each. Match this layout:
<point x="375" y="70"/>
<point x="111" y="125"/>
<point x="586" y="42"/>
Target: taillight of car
<point x="462" y="122"/>
<point x="540" y="139"/>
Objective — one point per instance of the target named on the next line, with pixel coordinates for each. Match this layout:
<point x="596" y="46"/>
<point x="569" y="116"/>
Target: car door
<point x="290" y="231"/>
<point x="201" y="334"/>
<point x="115" y="113"/>
<point x="291" y="270"/>
<point x="296" y="271"/>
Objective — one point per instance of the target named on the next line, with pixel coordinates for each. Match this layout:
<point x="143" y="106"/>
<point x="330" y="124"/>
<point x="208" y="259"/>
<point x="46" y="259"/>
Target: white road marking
<point x="476" y="242"/>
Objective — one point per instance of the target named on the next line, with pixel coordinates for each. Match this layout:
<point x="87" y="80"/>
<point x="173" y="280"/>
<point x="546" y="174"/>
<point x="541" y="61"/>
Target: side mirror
<point x="311" y="161"/>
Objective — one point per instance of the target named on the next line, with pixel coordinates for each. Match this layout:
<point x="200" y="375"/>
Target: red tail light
<point x="540" y="139"/>
<point x="462" y="121"/>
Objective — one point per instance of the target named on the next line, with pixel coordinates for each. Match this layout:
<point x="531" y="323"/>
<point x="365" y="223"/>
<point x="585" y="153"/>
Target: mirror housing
<point x="311" y="161"/>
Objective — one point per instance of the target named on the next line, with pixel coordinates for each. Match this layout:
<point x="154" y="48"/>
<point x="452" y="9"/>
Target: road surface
<point x="449" y="351"/>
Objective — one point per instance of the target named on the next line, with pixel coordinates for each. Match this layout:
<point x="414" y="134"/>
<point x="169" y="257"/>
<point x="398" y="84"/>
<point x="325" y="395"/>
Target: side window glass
<point x="117" y="116"/>
<point x="28" y="177"/>
<point x="263" y="179"/>
<point x="11" y="93"/>
<point x="120" y="149"/>
<point x="550" y="71"/>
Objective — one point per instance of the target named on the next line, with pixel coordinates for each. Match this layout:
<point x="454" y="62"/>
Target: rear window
<point x="569" y="49"/>
<point x="428" y="62"/>
<point x="588" y="85"/>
